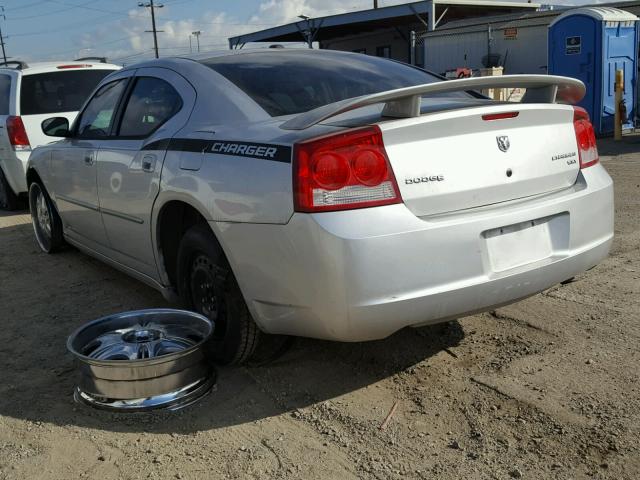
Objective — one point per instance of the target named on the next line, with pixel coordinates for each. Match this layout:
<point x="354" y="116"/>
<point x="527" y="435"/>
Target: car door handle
<point x="149" y="163"/>
<point x="89" y="158"/>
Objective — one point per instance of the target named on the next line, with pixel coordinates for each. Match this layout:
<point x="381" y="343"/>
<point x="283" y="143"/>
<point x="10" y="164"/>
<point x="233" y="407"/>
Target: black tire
<point x="8" y="199"/>
<point x="47" y="225"/>
<point x="207" y="285"/>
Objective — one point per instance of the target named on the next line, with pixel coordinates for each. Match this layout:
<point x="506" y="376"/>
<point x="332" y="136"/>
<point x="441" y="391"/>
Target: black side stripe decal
<point x="262" y="151"/>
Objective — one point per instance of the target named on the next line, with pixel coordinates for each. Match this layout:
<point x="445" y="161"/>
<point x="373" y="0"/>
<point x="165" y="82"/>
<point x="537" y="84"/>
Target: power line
<point x="83" y="5"/>
<point x="28" y="5"/>
<point x="61" y="28"/>
<point x="27" y="17"/>
<point x="75" y="49"/>
<point x="137" y="54"/>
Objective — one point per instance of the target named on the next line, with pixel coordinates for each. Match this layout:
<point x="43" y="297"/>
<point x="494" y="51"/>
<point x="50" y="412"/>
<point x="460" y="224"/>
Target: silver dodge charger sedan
<point x="325" y="194"/>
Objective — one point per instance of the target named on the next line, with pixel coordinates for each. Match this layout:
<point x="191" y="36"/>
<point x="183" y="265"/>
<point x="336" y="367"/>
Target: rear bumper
<point x="14" y="166"/>
<point x="364" y="274"/>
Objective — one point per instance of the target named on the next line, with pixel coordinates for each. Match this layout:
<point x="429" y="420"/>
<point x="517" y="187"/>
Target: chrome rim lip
<point x="139" y="362"/>
<point x="172" y="401"/>
<point x="173" y="379"/>
<point x="42" y="211"/>
<point x="35" y="209"/>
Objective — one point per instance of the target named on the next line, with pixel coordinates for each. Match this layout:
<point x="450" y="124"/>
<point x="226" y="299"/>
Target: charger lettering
<point x="244" y="149"/>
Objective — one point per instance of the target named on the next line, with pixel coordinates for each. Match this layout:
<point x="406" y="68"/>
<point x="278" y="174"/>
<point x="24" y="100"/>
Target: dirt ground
<point x="545" y="388"/>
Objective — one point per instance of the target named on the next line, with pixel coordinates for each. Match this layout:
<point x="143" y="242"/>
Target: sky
<point x="41" y="30"/>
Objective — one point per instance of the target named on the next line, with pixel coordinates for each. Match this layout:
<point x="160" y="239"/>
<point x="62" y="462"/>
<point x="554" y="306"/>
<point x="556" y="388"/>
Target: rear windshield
<point x="288" y="82"/>
<point x="55" y="92"/>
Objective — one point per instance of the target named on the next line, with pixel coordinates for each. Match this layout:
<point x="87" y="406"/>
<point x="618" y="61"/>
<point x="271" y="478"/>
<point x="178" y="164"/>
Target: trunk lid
<point x="456" y="160"/>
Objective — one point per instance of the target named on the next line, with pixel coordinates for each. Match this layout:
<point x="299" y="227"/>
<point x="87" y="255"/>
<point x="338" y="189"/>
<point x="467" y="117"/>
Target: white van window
<point x="56" y="92"/>
<point x="5" y="94"/>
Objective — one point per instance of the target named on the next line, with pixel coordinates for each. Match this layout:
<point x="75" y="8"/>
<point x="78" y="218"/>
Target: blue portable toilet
<point x="590" y="44"/>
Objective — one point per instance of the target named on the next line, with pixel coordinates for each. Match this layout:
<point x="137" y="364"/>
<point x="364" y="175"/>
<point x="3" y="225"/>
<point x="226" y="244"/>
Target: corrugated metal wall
<point x="521" y="49"/>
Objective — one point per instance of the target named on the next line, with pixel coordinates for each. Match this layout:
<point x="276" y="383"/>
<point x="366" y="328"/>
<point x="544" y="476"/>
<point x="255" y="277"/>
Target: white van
<point x="30" y="94"/>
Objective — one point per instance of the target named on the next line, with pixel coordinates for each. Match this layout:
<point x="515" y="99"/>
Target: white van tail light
<point x="343" y="171"/>
<point x="17" y="134"/>
<point x="586" y="138"/>
<point x="75" y="65"/>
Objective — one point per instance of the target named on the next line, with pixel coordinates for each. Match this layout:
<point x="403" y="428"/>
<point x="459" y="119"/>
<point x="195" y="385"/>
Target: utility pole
<point x="197" y="35"/>
<point x="4" y="53"/>
<point x="150" y="5"/>
<point x="375" y="3"/>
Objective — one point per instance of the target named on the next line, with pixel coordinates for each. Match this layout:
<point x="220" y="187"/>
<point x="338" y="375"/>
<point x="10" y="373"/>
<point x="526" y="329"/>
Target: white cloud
<point x="285" y="11"/>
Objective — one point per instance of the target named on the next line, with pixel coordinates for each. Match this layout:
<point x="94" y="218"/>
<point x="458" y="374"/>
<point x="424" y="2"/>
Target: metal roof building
<point x="385" y="31"/>
<point x="518" y="40"/>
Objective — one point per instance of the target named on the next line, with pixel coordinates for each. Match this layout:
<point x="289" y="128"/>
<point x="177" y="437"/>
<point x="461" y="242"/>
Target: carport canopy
<point x="429" y="13"/>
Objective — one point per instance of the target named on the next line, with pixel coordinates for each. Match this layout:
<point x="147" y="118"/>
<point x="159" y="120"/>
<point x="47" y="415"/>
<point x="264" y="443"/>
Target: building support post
<point x="619" y="89"/>
<point x="412" y="52"/>
<point x="431" y="21"/>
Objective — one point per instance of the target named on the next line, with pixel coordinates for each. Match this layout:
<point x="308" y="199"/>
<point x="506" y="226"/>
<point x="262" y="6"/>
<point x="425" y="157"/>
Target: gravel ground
<point x="545" y="388"/>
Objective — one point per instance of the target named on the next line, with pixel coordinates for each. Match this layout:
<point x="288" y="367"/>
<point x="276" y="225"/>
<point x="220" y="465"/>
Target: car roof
<point x="212" y="55"/>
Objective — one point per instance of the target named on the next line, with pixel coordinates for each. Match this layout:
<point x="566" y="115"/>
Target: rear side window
<point x="97" y="118"/>
<point x="5" y="94"/>
<point x="288" y="82"/>
<point x="55" y="92"/>
<point x="151" y="103"/>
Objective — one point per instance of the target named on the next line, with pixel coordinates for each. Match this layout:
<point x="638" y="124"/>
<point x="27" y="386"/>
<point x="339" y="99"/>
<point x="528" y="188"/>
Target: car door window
<point x="97" y="118"/>
<point x="152" y="102"/>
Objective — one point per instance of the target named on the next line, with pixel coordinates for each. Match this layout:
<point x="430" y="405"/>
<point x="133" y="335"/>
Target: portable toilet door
<point x="589" y="44"/>
<point x="620" y="48"/>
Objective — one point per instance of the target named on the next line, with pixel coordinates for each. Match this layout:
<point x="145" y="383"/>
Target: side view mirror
<point x="56" y="127"/>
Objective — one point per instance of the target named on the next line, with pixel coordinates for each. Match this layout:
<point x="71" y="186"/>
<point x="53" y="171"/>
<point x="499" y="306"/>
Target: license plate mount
<point x="519" y="244"/>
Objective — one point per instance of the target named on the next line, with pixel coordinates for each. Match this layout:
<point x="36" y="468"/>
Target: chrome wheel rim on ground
<point x="143" y="360"/>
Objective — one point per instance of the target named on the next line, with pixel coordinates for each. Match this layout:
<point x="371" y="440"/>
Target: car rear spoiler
<point x="406" y="102"/>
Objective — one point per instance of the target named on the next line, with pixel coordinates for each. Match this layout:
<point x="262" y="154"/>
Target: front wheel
<point x="47" y="225"/>
<point x="207" y="285"/>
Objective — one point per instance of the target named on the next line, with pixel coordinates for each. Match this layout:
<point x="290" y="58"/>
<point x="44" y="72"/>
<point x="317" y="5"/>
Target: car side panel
<point x="229" y="188"/>
<point x="359" y="275"/>
<point x="40" y="162"/>
<point x="127" y="191"/>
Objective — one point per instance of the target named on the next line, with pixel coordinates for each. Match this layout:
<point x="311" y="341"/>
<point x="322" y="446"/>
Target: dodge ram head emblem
<point x="503" y="142"/>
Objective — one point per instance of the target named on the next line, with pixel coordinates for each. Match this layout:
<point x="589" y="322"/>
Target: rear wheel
<point x="47" y="225"/>
<point x="207" y="285"/>
<point x="8" y="199"/>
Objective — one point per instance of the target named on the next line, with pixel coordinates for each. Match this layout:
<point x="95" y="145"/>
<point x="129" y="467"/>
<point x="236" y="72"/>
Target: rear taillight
<point x="343" y="171"/>
<point x="586" y="138"/>
<point x="17" y="134"/>
<point x="499" y="116"/>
